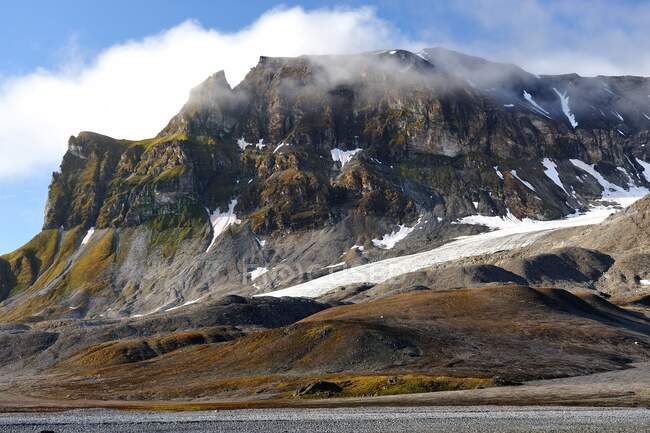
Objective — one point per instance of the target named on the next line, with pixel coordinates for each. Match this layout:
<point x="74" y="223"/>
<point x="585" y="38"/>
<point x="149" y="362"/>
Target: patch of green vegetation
<point x="132" y="350"/>
<point x="365" y="386"/>
<point x="169" y="231"/>
<point x="69" y="243"/>
<point x="260" y="218"/>
<point x="7" y="279"/>
<point x="30" y="260"/>
<point x="150" y="143"/>
<point x="88" y="271"/>
<point x="170" y="173"/>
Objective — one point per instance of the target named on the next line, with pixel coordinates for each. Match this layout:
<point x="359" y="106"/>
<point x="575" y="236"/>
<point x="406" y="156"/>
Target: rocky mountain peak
<point x="315" y="151"/>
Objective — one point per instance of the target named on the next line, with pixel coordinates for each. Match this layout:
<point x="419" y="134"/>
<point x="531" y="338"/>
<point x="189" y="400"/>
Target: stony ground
<point x="380" y="420"/>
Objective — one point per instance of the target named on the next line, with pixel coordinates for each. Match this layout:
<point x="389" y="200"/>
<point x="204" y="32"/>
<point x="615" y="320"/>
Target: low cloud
<point x="588" y="37"/>
<point x="131" y="90"/>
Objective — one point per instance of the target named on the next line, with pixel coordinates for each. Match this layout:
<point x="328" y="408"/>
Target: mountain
<point x="346" y="226"/>
<point x="314" y="164"/>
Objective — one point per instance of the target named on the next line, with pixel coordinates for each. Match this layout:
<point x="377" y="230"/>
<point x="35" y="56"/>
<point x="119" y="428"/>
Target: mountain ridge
<point x="431" y="144"/>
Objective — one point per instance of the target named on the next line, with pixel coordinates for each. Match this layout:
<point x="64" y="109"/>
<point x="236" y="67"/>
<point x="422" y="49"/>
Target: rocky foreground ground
<point x="411" y="420"/>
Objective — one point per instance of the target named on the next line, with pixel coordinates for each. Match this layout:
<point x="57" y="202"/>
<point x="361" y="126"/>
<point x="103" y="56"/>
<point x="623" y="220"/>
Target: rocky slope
<point x="314" y="163"/>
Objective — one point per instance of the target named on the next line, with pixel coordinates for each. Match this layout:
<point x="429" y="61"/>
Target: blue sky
<point x="59" y="56"/>
<point x="42" y="31"/>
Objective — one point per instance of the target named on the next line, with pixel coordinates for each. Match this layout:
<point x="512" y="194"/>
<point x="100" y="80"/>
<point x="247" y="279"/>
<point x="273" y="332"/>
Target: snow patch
<point x="243" y="144"/>
<point x="258" y="272"/>
<point x="89" y="234"/>
<point x="612" y="192"/>
<point x="646" y="168"/>
<point x="646" y="116"/>
<point x="496" y="170"/>
<point x="527" y="184"/>
<point x="343" y="156"/>
<point x="618" y="116"/>
<point x="336" y="265"/>
<point x="280" y="146"/>
<point x="550" y="170"/>
<point x="389" y="240"/>
<point x="564" y="100"/>
<point x="194" y="301"/>
<point x="221" y="221"/>
<point x="528" y="97"/>
<point x="511" y="233"/>
<point x="508" y="105"/>
<point x="155" y="310"/>
<point x="644" y="282"/>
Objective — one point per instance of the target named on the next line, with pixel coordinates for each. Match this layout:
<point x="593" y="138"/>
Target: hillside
<point x="415" y="342"/>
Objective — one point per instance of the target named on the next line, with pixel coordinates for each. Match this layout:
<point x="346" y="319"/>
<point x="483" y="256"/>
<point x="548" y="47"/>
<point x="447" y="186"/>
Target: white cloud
<point x="131" y="90"/>
<point x="588" y="37"/>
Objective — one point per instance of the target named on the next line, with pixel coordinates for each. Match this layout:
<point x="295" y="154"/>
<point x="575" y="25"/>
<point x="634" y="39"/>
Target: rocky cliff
<point x="313" y="163"/>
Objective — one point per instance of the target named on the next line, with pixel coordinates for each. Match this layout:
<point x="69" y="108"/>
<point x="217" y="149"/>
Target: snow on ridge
<point x="280" y="146"/>
<point x="389" y="240"/>
<point x="243" y="144"/>
<point x="646" y="168"/>
<point x="496" y="170"/>
<point x="550" y="170"/>
<point x="221" y="221"/>
<point x="564" y="100"/>
<point x="193" y="301"/>
<point x="155" y="310"/>
<point x="612" y="192"/>
<point x="258" y="272"/>
<point x="527" y="184"/>
<point x="492" y="222"/>
<point x="343" y="156"/>
<point x="528" y="97"/>
<point x="618" y="116"/>
<point x="508" y="105"/>
<point x="511" y="233"/>
<point x="89" y="234"/>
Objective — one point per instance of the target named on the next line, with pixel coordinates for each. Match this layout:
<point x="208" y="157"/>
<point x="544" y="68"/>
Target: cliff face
<point x="312" y="148"/>
<point x="431" y="129"/>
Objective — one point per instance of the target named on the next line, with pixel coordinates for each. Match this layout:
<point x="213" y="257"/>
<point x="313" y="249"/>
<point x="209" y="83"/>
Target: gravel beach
<point x="374" y="420"/>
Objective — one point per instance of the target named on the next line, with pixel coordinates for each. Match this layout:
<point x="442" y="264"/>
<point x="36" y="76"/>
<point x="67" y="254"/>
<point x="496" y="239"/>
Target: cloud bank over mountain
<point x="131" y="89"/>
